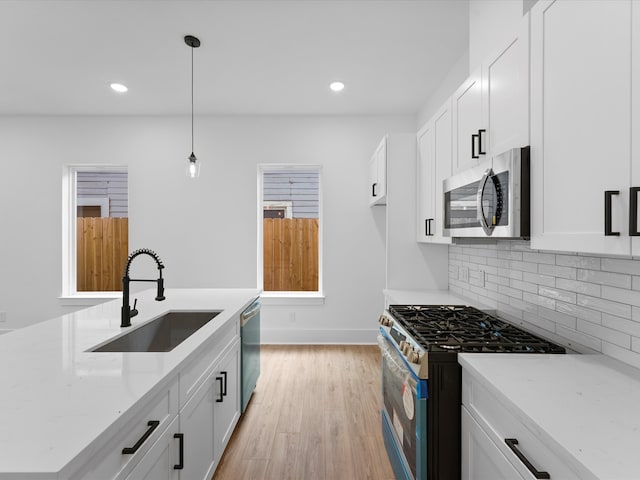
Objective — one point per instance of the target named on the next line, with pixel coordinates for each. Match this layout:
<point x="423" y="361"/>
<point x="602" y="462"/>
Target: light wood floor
<point x="315" y="415"/>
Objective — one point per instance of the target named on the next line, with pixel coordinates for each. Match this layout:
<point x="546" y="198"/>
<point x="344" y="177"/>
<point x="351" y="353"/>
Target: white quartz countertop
<point x="57" y="397"/>
<point x="587" y="406"/>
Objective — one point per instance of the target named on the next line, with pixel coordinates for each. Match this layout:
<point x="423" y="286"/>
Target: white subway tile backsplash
<point x="605" y="278"/>
<point x="589" y="302"/>
<point x="558" y="271"/>
<point x="557" y="294"/>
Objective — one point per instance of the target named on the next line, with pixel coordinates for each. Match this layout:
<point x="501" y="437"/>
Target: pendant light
<point x="193" y="165"/>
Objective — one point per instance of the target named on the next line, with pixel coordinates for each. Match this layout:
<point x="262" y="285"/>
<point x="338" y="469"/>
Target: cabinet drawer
<point x="111" y="461"/>
<point x="196" y="371"/>
<point x="500" y="423"/>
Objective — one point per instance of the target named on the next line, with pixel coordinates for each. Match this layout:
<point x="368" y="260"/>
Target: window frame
<point x="70" y="294"/>
<point x="289" y="297"/>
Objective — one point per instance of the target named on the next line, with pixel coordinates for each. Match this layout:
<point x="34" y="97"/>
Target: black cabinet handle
<point x="607" y="213"/>
<point x="221" y="399"/>
<point x="153" y="424"/>
<point x="224" y="385"/>
<point x="480" y="149"/>
<point x="427" y="227"/>
<point x="180" y="464"/>
<point x="473" y="146"/>
<point x="633" y="211"/>
<point x="511" y="443"/>
<point x="373" y="190"/>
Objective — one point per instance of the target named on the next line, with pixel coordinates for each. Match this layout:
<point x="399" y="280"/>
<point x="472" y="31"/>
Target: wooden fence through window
<point x="290" y="254"/>
<point x="102" y="250"/>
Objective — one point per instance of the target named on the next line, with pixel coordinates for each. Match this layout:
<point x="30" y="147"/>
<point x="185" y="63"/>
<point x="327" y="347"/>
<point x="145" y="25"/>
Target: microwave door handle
<point x="488" y="229"/>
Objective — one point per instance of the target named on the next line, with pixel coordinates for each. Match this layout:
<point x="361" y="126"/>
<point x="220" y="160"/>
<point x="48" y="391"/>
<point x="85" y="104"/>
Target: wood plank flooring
<point x="315" y="415"/>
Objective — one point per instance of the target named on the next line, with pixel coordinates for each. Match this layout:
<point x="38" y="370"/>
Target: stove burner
<point x="466" y="329"/>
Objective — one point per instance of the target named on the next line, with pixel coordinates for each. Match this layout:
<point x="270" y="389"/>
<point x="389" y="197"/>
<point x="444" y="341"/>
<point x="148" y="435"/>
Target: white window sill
<point x="291" y="298"/>
<point x="88" y="298"/>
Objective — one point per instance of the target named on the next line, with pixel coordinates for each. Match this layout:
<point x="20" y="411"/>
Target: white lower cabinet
<point x="481" y="458"/>
<point x="210" y="416"/>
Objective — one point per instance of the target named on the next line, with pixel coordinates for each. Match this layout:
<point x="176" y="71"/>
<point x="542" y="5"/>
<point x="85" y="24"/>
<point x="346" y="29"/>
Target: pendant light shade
<point x="193" y="165"/>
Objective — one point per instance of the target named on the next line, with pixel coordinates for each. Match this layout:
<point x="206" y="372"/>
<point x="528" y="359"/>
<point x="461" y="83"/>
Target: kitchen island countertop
<point x="585" y="407"/>
<point x="58" y="398"/>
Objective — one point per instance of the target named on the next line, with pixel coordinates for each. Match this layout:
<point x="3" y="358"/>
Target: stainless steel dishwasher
<point x="250" y="334"/>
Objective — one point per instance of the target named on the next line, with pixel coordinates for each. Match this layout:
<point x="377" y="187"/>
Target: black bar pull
<point x="430" y="233"/>
<point x="511" y="443"/>
<point x="480" y="149"/>
<point x="473" y="146"/>
<point x="180" y="464"/>
<point x="153" y="424"/>
<point x="607" y="213"/>
<point x="633" y="211"/>
<point x="224" y="385"/>
<point x="221" y="399"/>
<point x="373" y="190"/>
<point x="426" y="227"/>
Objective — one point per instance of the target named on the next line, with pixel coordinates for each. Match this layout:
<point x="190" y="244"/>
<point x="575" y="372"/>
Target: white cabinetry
<point x="491" y="108"/>
<point x="582" y="115"/>
<point x="378" y="175"/>
<point x="434" y="165"/>
<point x="496" y="444"/>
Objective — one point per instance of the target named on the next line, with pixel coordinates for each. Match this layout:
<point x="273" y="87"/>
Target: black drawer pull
<point x="373" y="190"/>
<point x="607" y="213"/>
<point x="511" y="443"/>
<point x="633" y="211"/>
<point x="153" y="424"/>
<point x="180" y="464"/>
<point x="221" y="399"/>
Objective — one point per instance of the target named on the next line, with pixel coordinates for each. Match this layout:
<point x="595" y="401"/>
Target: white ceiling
<point x="257" y="56"/>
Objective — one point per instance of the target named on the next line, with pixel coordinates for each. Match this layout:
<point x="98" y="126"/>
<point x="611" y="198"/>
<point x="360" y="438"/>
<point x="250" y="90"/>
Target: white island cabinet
<point x="563" y="417"/>
<point x="70" y="413"/>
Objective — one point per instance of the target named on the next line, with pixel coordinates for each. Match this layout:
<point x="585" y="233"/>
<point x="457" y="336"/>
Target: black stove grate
<point x="458" y="328"/>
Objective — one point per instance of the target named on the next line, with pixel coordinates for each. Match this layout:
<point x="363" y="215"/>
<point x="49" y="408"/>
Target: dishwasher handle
<point x="249" y="313"/>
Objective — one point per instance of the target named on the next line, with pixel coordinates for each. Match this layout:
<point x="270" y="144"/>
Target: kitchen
<point x="36" y="145"/>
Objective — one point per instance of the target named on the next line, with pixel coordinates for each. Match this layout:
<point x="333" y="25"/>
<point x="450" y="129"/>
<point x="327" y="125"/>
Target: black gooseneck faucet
<point x="128" y="312"/>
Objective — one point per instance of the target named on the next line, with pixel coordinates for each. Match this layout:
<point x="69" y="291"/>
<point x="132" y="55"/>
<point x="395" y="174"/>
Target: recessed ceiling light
<point x="118" y="87"/>
<point x="337" y="86"/>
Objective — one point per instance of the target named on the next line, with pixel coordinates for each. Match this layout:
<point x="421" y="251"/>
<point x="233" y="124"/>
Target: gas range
<point x="423" y="332"/>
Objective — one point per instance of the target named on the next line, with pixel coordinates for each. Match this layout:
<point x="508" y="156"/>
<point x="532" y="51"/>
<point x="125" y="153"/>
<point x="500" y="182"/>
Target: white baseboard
<point x="318" y="337"/>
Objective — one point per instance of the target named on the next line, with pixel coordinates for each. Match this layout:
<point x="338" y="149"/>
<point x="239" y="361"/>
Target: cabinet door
<point x="160" y="461"/>
<point x="481" y="458"/>
<point x="505" y="84"/>
<point x="378" y="174"/>
<point x="443" y="144"/>
<point x="227" y="399"/>
<point x="197" y="425"/>
<point x="467" y="121"/>
<point x="580" y="130"/>
<point x="425" y="178"/>
<point x="635" y="113"/>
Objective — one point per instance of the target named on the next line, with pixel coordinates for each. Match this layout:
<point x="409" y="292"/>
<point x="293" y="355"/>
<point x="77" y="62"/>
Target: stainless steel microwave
<point x="490" y="199"/>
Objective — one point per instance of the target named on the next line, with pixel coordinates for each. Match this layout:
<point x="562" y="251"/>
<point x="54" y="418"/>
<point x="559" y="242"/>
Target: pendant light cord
<point x="191" y="99"/>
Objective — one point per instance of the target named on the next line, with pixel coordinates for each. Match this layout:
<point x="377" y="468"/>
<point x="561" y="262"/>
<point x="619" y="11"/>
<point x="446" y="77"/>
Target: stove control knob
<point x="407" y="349"/>
<point x="414" y="357"/>
<point x="381" y="320"/>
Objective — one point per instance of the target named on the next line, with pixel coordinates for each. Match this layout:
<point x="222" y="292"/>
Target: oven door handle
<point x="398" y="363"/>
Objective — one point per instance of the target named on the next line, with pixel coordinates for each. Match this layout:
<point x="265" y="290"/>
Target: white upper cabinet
<point x="581" y="125"/>
<point x="434" y="165"/>
<point x="491" y="108"/>
<point x="378" y="175"/>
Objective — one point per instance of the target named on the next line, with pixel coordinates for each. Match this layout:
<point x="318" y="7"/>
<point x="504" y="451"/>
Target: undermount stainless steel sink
<point x="160" y="335"/>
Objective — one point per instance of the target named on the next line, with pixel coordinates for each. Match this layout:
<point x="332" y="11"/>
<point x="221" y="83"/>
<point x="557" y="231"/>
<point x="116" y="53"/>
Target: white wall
<point x="204" y="231"/>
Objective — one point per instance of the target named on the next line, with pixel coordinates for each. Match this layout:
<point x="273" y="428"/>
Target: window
<point x="95" y="228"/>
<point x="289" y="229"/>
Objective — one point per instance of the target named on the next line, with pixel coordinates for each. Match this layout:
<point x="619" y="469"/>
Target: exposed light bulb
<point x="118" y="87"/>
<point x="336" y="86"/>
<point x="193" y="166"/>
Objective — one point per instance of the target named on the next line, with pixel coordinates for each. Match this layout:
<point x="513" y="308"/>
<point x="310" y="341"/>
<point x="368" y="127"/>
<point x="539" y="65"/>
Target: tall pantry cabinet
<point x="585" y="132"/>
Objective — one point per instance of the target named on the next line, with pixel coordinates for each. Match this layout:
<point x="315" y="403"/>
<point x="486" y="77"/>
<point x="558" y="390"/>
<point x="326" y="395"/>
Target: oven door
<point x="403" y="414"/>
